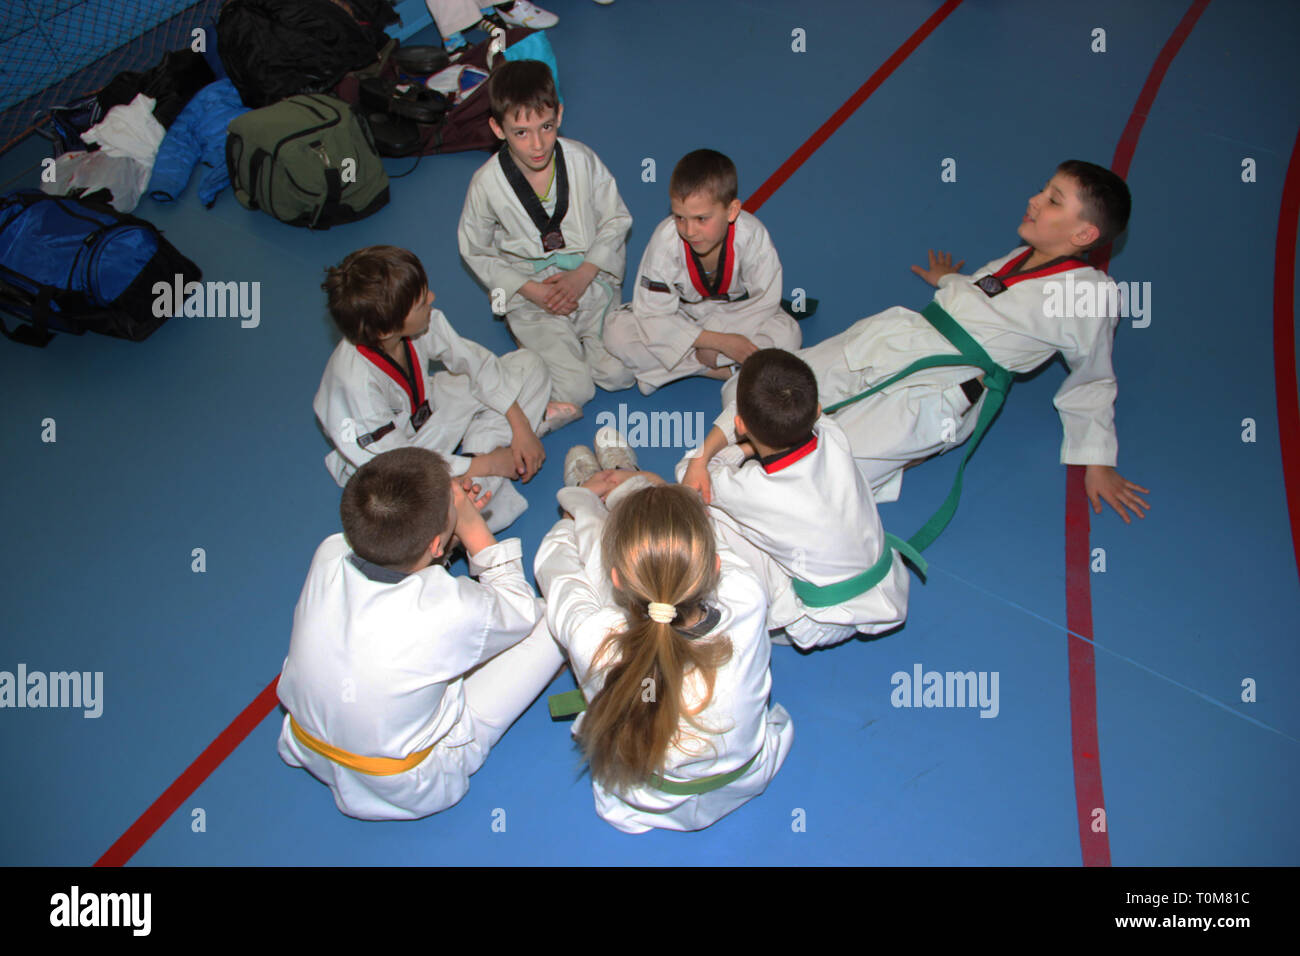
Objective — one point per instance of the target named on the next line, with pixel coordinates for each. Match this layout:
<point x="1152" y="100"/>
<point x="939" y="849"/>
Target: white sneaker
<point x="613" y="451"/>
<point x="579" y="465"/>
<point x="521" y="13"/>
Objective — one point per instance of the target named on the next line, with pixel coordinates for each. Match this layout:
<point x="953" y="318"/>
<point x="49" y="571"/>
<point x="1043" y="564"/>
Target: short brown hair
<point x="1104" y="196"/>
<point x="521" y="85"/>
<point x="704" y="171"/>
<point x="776" y="397"/>
<point x="395" y="505"/>
<point x="372" y="291"/>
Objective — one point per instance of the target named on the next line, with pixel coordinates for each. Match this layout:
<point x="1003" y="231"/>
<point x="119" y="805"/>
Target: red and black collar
<point x="784" y="459"/>
<point x="1011" y="273"/>
<point x="722" y="275"/>
<point x="413" y="385"/>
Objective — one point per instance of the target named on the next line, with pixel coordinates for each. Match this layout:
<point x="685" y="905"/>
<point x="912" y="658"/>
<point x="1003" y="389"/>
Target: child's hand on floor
<point x="1104" y="483"/>
<point x="940" y="266"/>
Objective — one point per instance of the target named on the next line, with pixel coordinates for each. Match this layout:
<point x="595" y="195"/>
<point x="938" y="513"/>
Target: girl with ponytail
<point x="665" y="631"/>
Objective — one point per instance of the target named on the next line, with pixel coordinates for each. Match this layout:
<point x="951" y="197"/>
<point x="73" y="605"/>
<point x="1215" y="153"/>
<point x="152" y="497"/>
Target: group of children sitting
<point x="664" y="599"/>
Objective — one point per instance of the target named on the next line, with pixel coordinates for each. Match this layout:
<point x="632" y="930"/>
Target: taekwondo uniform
<point x="807" y="513"/>
<point x="674" y="301"/>
<point x="460" y="395"/>
<point x="581" y="612"/>
<point x="508" y="236"/>
<point x="379" y="705"/>
<point x="1009" y="313"/>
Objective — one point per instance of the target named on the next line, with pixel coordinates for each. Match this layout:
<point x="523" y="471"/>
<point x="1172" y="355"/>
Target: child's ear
<point x="733" y="210"/>
<point x="819" y="409"/>
<point x="559" y="115"/>
<point x="496" y="128"/>
<point x="741" y="431"/>
<point x="437" y="546"/>
<point x="1086" y="235"/>
<point x="613" y="577"/>
<point x="717" y="563"/>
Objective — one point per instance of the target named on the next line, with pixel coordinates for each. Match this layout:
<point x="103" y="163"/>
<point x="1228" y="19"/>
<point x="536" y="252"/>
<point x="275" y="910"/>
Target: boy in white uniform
<point x="1015" y="309"/>
<point x="728" y="744"/>
<point x="400" y="677"/>
<point x="708" y="293"/>
<point x="802" y="512"/>
<point x="403" y="377"/>
<point x="544" y="229"/>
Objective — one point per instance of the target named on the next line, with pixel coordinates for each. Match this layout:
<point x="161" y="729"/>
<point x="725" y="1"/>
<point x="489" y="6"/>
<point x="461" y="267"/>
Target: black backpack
<point x="273" y="49"/>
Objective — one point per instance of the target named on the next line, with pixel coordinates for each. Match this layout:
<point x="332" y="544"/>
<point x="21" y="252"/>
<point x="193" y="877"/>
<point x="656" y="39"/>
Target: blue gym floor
<point x="203" y="437"/>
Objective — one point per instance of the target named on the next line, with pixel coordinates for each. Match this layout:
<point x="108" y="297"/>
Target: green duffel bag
<point x="307" y="160"/>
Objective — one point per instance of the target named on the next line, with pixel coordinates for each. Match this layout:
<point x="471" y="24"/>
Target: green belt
<point x="572" y="702"/>
<point x="998" y="381"/>
<point x="567" y="262"/>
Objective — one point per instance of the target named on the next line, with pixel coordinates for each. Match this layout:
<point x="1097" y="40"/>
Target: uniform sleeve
<point x="1086" y="399"/>
<point x="669" y="334"/>
<point x="608" y="249"/>
<point x="476" y="238"/>
<point x="488" y="381"/>
<point x="501" y="603"/>
<point x="573" y="602"/>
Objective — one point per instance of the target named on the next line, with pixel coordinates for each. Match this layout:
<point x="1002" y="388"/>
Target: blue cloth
<point x="197" y="137"/>
<point x="536" y="46"/>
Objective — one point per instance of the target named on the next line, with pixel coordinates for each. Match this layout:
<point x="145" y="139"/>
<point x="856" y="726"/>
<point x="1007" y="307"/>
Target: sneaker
<point x="521" y="13"/>
<point x="579" y="465"/>
<point x="612" y="450"/>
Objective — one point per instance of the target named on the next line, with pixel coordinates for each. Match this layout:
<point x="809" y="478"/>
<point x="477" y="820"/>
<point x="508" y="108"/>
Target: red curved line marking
<point x="1088" y="793"/>
<point x="1284" y="371"/>
<point x="823" y="133"/>
<point x="185" y="785"/>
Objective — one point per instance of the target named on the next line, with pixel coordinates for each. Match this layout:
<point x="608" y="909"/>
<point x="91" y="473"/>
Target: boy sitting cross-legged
<point x="543" y="228"/>
<point x="403" y="377"/>
<point x="708" y="292"/>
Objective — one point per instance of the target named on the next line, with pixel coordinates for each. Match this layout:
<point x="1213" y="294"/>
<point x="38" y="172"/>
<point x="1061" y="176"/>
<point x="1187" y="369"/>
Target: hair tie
<point x="661" y="613"/>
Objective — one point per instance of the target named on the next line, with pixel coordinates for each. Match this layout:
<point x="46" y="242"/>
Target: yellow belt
<point x="375" y="766"/>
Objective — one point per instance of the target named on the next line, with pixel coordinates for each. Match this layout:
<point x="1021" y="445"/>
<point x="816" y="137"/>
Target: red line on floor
<point x="185" y="785"/>
<point x="230" y="738"/>
<point x="1088" y="793"/>
<point x="1284" y="371"/>
<point x="823" y="133"/>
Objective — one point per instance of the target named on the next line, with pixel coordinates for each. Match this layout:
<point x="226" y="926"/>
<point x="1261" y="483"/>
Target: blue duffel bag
<point x="73" y="265"/>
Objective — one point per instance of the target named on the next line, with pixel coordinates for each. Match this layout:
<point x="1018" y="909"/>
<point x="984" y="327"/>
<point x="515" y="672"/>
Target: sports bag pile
<point x="308" y="161"/>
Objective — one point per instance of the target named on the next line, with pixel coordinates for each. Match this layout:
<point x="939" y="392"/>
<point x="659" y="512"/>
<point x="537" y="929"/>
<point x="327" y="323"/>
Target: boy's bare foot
<point x="558" y="414"/>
